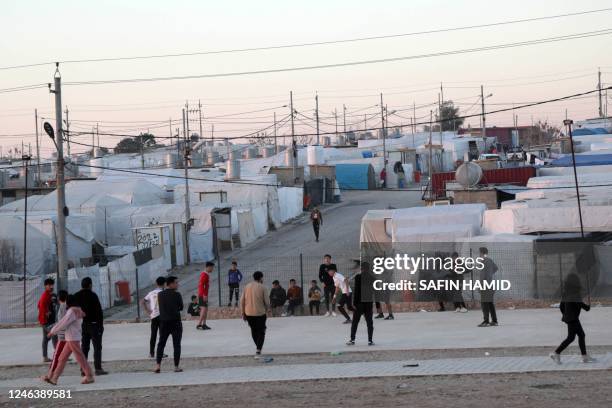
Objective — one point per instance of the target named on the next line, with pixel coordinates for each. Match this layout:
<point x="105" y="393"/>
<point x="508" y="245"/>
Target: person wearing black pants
<point x="170" y="307"/>
<point x="317" y="220"/>
<point x="329" y="289"/>
<point x="93" y="323"/>
<point x="342" y="285"/>
<point x="486" y="296"/>
<point x="570" y="307"/>
<point x="254" y="304"/>
<point x="151" y="305"/>
<point x="362" y="307"/>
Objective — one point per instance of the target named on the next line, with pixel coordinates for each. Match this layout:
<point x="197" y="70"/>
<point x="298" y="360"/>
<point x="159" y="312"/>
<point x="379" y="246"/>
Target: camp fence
<point x="536" y="273"/>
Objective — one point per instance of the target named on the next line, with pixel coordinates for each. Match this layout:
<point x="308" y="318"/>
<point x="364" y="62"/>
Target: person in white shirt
<point x="344" y="290"/>
<point x="151" y="305"/>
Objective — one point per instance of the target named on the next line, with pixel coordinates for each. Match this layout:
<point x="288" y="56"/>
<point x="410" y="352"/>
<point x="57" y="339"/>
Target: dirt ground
<point x="531" y="390"/>
<point x="534" y="390"/>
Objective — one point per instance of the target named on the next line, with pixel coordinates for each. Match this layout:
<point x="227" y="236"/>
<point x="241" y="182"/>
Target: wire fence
<point x="536" y="271"/>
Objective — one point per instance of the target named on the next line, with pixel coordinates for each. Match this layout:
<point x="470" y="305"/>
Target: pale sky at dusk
<point x="40" y="31"/>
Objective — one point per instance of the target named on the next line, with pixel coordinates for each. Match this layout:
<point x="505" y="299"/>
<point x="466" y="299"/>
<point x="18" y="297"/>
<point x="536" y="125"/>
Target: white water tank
<point x="170" y="160"/>
<point x="341" y="140"/>
<point x="289" y="159"/>
<point x="267" y="151"/>
<point x="326" y="141"/>
<point x="250" y="153"/>
<point x="315" y="155"/>
<point x="232" y="170"/>
<point x="212" y="158"/>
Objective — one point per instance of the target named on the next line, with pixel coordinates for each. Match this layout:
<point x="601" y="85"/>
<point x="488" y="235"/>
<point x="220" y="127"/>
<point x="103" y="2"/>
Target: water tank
<point x="326" y="141"/>
<point x="289" y="159"/>
<point x="268" y="151"/>
<point x="98" y="152"/>
<point x="315" y="155"/>
<point x="233" y="170"/>
<point x="250" y="153"/>
<point x="170" y="160"/>
<point x="341" y="140"/>
<point x="197" y="159"/>
<point x="212" y="158"/>
<point x="468" y="174"/>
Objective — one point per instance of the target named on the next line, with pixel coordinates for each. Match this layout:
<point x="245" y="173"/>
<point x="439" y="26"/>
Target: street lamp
<point x="25" y="160"/>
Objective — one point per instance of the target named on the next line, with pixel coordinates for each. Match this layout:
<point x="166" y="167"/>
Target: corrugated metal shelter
<point x="584" y="160"/>
<point x="355" y="176"/>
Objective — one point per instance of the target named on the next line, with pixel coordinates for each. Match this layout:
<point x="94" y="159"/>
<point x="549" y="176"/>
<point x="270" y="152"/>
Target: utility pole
<point x="336" y="119"/>
<point x="484" y="126"/>
<point x="200" y="114"/>
<point x="344" y="118"/>
<point x="294" y="147"/>
<point x="441" y="141"/>
<point x="37" y="147"/>
<point x="384" y="131"/>
<point x="185" y="168"/>
<point x="67" y="132"/>
<point x="275" y="143"/>
<point x="430" y="153"/>
<point x="414" y="117"/>
<point x="62" y="211"/>
<point x="98" y="134"/>
<point x="601" y="114"/>
<point x="317" y="116"/>
<point x="365" y="122"/>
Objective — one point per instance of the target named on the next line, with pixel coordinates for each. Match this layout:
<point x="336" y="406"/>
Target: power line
<point x="309" y="44"/>
<point x="547" y="40"/>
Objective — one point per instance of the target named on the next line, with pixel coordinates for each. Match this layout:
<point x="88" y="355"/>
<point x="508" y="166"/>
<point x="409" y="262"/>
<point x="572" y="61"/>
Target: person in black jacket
<point x="328" y="284"/>
<point x="571" y="305"/>
<point x="93" y="323"/>
<point x="362" y="304"/>
<point x="170" y="307"/>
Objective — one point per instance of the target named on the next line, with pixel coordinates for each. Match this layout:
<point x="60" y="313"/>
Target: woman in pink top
<point x="71" y="325"/>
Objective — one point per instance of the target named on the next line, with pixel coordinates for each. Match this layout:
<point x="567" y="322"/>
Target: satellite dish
<point x="468" y="174"/>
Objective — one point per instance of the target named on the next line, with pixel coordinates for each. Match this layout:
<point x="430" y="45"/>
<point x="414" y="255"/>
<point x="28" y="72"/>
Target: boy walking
<point x="170" y="307"/>
<point x="363" y="306"/>
<point x="486" y="295"/>
<point x="234" y="277"/>
<point x="254" y="304"/>
<point x="328" y="284"/>
<point x="151" y="305"/>
<point x="46" y="317"/>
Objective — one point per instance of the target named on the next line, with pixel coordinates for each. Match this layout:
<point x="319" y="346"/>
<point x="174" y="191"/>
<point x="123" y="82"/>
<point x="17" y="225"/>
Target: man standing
<point x="317" y="220"/>
<point x="328" y="284"/>
<point x="362" y="304"/>
<point x="203" y="287"/>
<point x="254" y="304"/>
<point x="234" y="277"/>
<point x="93" y="323"/>
<point x="46" y="317"/>
<point x="486" y="296"/>
<point x="170" y="307"/>
<point x="344" y="290"/>
<point x="151" y="305"/>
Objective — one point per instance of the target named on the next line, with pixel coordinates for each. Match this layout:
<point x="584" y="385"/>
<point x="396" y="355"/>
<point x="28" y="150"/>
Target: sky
<point x="42" y="31"/>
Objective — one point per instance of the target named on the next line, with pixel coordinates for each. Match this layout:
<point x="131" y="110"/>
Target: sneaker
<point x="463" y="310"/>
<point x="334" y="314"/>
<point x="555" y="357"/>
<point x="493" y="324"/>
<point x="199" y="327"/>
<point x="205" y="327"/>
<point x="327" y="314"/>
<point x="46" y="360"/>
<point x="458" y="310"/>
<point x="101" y="372"/>
<point x="283" y="314"/>
<point x="379" y="316"/>
<point x="390" y="317"/>
<point x="484" y="324"/>
<point x="178" y="370"/>
<point x="347" y="321"/>
<point x="257" y="355"/>
<point x="371" y="343"/>
<point x="350" y="343"/>
<point x="588" y="359"/>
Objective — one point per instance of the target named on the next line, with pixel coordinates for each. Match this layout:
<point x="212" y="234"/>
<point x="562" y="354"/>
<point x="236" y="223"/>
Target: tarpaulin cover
<point x="355" y="176"/>
<point x="583" y="160"/>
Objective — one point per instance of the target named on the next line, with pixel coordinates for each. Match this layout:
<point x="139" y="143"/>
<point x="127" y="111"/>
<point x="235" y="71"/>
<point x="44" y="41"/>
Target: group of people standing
<point x="73" y="322"/>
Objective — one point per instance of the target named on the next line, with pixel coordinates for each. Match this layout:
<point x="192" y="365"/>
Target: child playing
<point x="62" y="296"/>
<point x="571" y="305"/>
<point x="70" y="324"/>
<point x="194" y="307"/>
<point x="314" y="297"/>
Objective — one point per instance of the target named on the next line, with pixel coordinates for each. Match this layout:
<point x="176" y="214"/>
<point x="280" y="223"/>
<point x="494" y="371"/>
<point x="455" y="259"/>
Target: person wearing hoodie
<point x="71" y="325"/>
<point x="571" y="305"/>
<point x="62" y="297"/>
<point x="234" y="277"/>
<point x="278" y="297"/>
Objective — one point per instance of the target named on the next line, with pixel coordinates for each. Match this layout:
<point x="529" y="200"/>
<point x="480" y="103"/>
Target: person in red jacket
<point x="203" y="287"/>
<point x="46" y="317"/>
